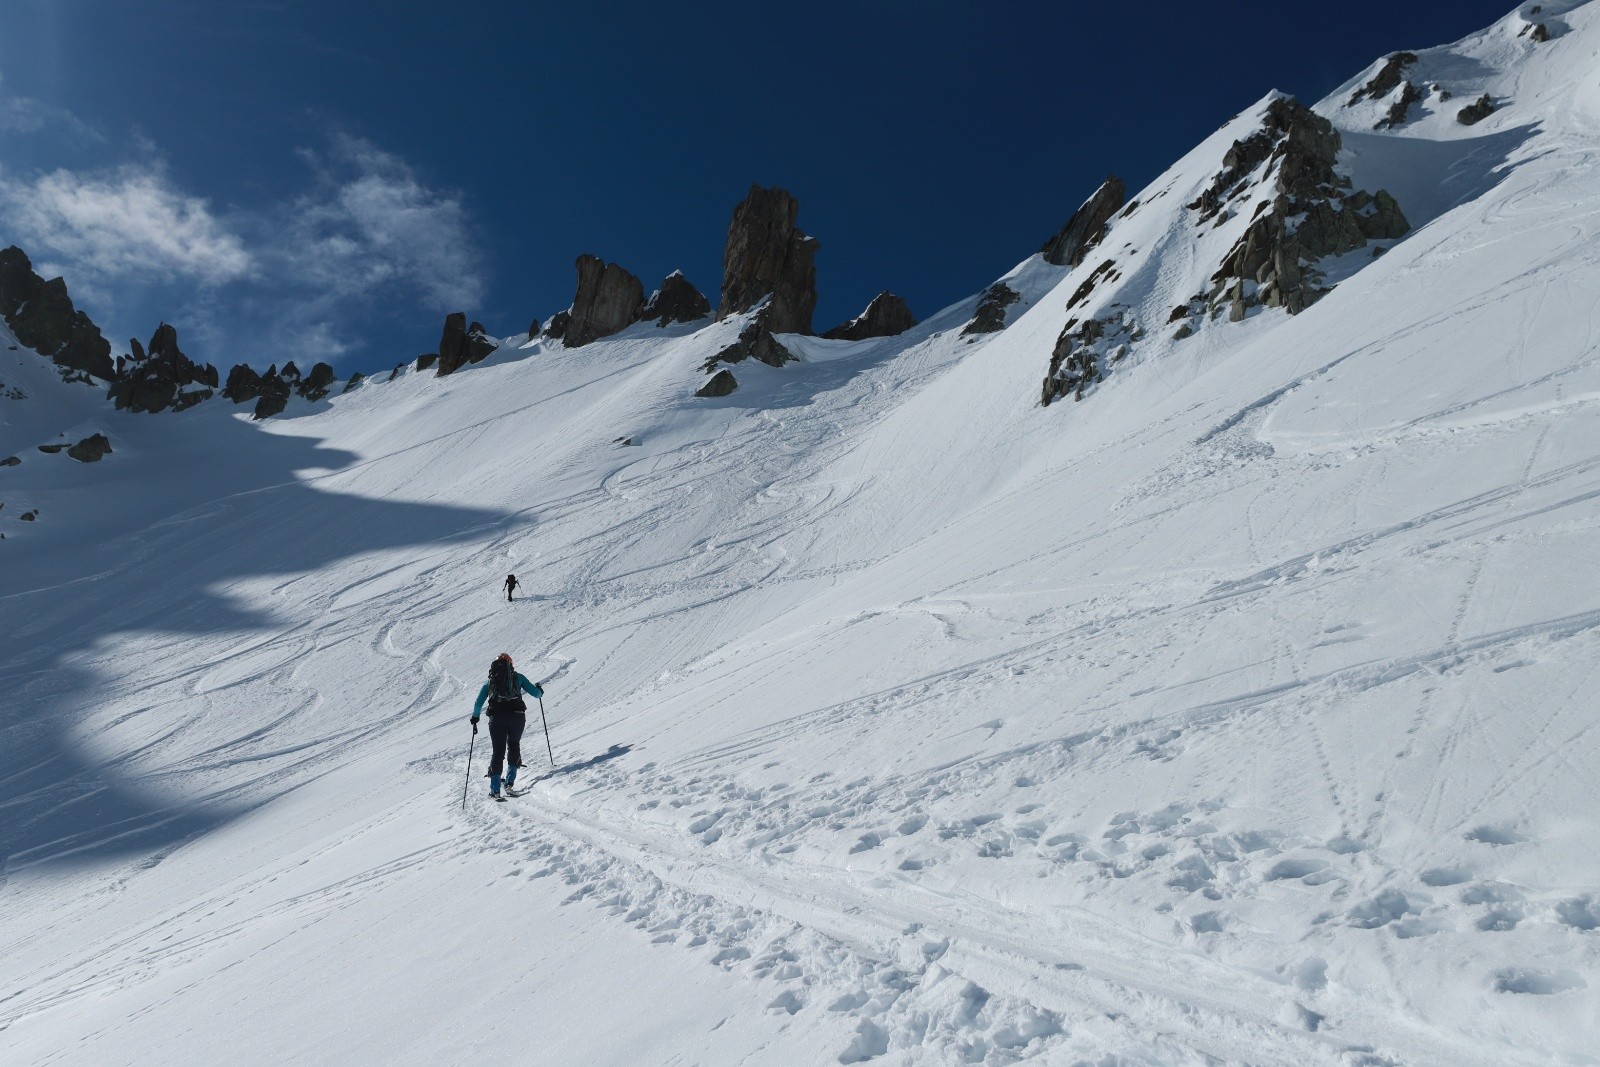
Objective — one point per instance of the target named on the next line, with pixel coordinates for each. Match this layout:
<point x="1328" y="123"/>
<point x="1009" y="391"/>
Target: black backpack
<point x="504" y="694"/>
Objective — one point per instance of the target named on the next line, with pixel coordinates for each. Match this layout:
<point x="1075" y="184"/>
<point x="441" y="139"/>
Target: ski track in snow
<point x="1240" y="714"/>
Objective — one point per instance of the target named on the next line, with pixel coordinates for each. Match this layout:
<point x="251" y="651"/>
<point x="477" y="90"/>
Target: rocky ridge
<point x="41" y="315"/>
<point x="1087" y="226"/>
<point x="1302" y="211"/>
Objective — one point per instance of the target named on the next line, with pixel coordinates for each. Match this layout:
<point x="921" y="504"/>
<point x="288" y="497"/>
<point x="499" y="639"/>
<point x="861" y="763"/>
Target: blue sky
<point x="304" y="180"/>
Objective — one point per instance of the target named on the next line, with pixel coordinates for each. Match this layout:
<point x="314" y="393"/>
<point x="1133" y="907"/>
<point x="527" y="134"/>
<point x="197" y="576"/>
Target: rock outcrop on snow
<point x="721" y="384"/>
<point x="556" y="328"/>
<point x="755" y="342"/>
<point x="162" y="377"/>
<point x="1386" y="81"/>
<point x="990" y="314"/>
<point x="1087" y="225"/>
<point x="273" y="389"/>
<point x="1476" y="111"/>
<point x="886" y="316"/>
<point x="675" y="301"/>
<point x="243" y="384"/>
<point x="43" y="318"/>
<point x="91" y="449"/>
<point x="1313" y="213"/>
<point x="1400" y="109"/>
<point x="608" y="299"/>
<point x="461" y="344"/>
<point x="1084" y="351"/>
<point x="767" y="256"/>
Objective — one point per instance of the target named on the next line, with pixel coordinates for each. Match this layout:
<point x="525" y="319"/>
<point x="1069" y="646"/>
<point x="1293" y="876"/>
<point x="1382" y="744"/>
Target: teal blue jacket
<point x="526" y="686"/>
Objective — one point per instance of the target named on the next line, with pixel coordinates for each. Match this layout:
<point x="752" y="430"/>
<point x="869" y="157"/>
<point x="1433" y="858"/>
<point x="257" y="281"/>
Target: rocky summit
<point x="767" y="255"/>
<point x="608" y="299"/>
<point x="676" y="300"/>
<point x="886" y="316"/>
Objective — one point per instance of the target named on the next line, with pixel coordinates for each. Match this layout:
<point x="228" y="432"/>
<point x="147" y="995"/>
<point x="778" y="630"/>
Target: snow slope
<point x="1239" y="713"/>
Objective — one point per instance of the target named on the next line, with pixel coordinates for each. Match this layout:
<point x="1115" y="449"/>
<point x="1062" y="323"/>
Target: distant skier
<point x="507" y="717"/>
<point x="511" y="587"/>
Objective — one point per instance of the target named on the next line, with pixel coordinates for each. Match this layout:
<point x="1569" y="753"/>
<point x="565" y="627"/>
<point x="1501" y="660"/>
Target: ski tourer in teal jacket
<point x="531" y="688"/>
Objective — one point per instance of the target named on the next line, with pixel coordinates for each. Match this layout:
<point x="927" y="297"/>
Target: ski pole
<point x="546" y="722"/>
<point x="468" y="784"/>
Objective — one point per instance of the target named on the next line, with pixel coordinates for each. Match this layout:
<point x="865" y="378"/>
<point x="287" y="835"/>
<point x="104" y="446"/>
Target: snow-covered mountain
<point x="1234" y="705"/>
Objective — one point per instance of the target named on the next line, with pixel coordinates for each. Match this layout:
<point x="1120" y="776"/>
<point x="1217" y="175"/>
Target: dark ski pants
<point x="505" y="733"/>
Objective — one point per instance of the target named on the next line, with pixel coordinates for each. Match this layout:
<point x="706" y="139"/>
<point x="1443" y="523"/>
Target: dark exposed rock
<point x="990" y="314"/>
<point x="161" y="377"/>
<point x="755" y="342"/>
<point x="721" y="384"/>
<point x="1311" y="216"/>
<point x="1384" y="82"/>
<point x="1396" y="115"/>
<point x="1087" y="225"/>
<point x="1106" y="271"/>
<point x="244" y="384"/>
<point x="1303" y="143"/>
<point x="767" y="255"/>
<point x="318" y="383"/>
<point x="1476" y="111"/>
<point x="1183" y="331"/>
<point x="557" y="326"/>
<point x="51" y="450"/>
<point x="886" y="316"/>
<point x="11" y="461"/>
<point x="91" y="449"/>
<point x="608" y="299"/>
<point x="29" y="516"/>
<point x="452" y="352"/>
<point x="1179" y="312"/>
<point x="459" y="345"/>
<point x="1082" y="352"/>
<point x="355" y="379"/>
<point x="1538" y="32"/>
<point x="533" y="329"/>
<point x="276" y="389"/>
<point x="41" y="315"/>
<point x="676" y="301"/>
<point x="426" y="360"/>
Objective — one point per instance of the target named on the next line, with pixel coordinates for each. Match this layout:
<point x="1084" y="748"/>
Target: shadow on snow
<point x="172" y="576"/>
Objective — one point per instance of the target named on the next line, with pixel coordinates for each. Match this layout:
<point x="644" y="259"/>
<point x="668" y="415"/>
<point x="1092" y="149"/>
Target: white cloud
<point x="131" y="221"/>
<point x="370" y="225"/>
<point x="298" y="278"/>
<point x="24" y="114"/>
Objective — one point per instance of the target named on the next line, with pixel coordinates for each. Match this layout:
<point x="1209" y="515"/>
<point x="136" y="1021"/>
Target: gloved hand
<point x="474" y="724"/>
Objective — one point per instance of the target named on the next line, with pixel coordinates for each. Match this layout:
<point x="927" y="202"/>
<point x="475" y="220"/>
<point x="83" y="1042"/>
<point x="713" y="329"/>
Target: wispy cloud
<point x="130" y="221"/>
<point x="26" y="115"/>
<point x="371" y="226"/>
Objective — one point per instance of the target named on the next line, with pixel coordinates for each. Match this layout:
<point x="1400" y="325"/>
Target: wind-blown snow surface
<point x="1243" y="712"/>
